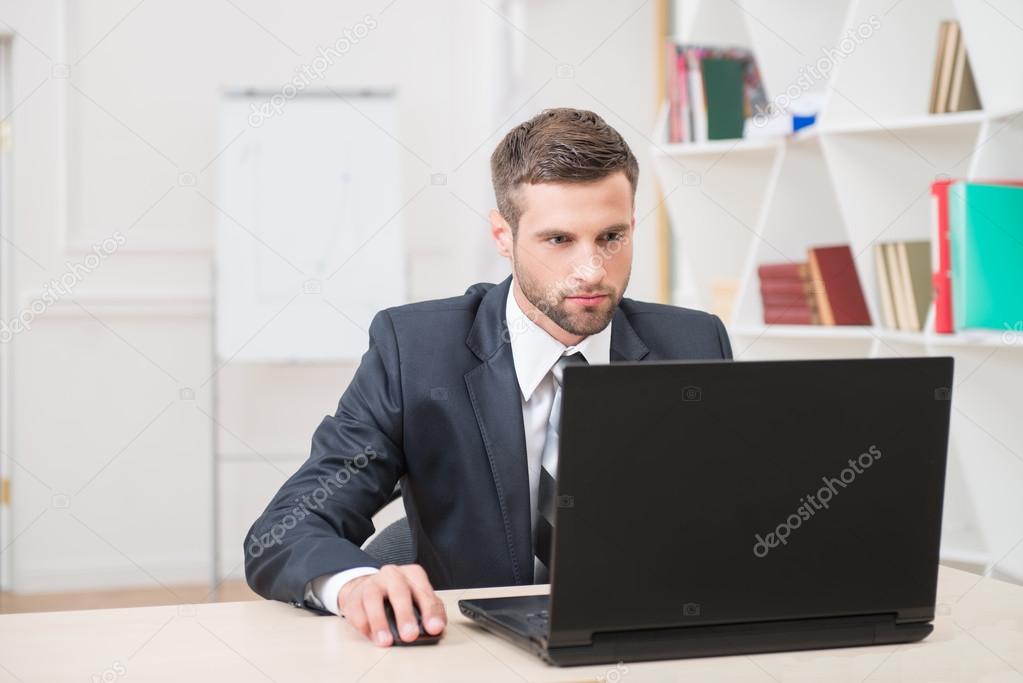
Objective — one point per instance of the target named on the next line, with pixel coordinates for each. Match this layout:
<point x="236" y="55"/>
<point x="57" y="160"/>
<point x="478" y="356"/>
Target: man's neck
<point x="541" y="320"/>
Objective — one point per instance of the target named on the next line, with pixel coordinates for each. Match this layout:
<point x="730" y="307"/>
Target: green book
<point x="986" y="238"/>
<point x="723" y="88"/>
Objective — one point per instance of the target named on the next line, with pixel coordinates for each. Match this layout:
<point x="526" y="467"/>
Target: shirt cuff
<point x="322" y="591"/>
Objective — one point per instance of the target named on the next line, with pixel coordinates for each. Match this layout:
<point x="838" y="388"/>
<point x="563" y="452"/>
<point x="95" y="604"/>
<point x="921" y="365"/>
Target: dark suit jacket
<point x="435" y="404"/>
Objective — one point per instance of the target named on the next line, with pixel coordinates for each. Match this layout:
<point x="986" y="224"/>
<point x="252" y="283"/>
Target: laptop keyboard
<point x="538" y="619"/>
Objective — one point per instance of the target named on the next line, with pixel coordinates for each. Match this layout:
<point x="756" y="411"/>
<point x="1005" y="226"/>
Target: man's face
<point x="572" y="254"/>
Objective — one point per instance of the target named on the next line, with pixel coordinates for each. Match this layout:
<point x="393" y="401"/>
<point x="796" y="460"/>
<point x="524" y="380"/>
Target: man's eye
<point x="614" y="236"/>
<point x="557" y="239"/>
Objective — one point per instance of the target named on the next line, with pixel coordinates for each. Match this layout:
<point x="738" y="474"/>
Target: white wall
<point x="109" y="464"/>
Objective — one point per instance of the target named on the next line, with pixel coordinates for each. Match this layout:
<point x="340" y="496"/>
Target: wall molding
<point x="98" y="575"/>
<point x="113" y="305"/>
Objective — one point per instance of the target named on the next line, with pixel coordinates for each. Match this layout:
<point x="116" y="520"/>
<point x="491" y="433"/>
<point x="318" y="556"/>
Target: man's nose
<point x="589" y="269"/>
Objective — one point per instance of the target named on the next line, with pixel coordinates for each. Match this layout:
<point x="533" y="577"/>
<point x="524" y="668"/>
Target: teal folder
<point x="986" y="238"/>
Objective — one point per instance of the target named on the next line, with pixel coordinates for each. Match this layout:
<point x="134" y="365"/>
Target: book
<point x="986" y="240"/>
<point x="948" y="52"/>
<point x="936" y="76"/>
<point x="952" y="85"/>
<point x="899" y="301"/>
<point x="677" y="91"/>
<point x="962" y="94"/>
<point x="683" y="109"/>
<point x="674" y="97"/>
<point x="790" y="316"/>
<point x="914" y="271"/>
<point x="723" y="88"/>
<point x="908" y="283"/>
<point x="785" y="286"/>
<point x="837" y="288"/>
<point x="792" y="271"/>
<point x="697" y="101"/>
<point x="711" y="92"/>
<point x="770" y="299"/>
<point x="884" y="287"/>
<point x="786" y="293"/>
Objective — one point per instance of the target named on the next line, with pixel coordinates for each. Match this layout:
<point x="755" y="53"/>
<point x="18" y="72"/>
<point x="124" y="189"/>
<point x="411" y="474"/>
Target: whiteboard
<point x="309" y="234"/>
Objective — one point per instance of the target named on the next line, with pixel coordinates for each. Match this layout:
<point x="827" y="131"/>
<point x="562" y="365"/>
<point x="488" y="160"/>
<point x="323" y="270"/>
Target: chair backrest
<point x="393" y="545"/>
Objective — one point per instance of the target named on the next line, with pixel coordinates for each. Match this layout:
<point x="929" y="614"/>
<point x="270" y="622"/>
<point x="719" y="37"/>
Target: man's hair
<point x="557" y="146"/>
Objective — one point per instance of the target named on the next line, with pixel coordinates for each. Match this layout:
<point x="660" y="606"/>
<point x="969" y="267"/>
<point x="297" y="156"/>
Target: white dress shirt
<point x="534" y="353"/>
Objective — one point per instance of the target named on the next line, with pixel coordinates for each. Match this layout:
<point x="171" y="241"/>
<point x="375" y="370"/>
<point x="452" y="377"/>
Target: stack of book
<point x="823" y="291"/>
<point x="711" y="92"/>
<point x="787" y="294"/>
<point x="977" y="255"/>
<point x="904" y="283"/>
<point x="952" y="85"/>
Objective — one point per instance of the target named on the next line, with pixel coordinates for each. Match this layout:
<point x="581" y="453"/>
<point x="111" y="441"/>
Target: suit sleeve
<point x="322" y="514"/>
<point x="726" y="345"/>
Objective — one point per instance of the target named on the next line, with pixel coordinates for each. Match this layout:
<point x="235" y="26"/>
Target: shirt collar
<point x="535" y="352"/>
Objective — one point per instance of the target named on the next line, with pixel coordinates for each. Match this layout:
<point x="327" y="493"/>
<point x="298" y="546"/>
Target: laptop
<point x="720" y="508"/>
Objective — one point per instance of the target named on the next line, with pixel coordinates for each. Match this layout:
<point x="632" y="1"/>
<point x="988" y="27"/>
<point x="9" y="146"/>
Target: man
<point x="457" y="398"/>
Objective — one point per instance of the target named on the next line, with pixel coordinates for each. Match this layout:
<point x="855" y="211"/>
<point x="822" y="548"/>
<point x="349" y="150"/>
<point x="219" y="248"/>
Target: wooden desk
<point x="978" y="636"/>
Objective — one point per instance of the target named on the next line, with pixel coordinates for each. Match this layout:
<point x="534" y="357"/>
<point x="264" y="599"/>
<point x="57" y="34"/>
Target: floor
<point x="230" y="591"/>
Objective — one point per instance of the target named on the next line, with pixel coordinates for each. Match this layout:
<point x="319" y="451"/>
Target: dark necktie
<point x="547" y="493"/>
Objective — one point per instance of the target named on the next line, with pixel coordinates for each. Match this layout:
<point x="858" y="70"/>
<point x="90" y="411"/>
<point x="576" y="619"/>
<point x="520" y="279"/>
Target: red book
<point x="784" y="299"/>
<point x="682" y="77"/>
<point x="790" y="287"/>
<point x="786" y="271"/>
<point x="672" y="68"/>
<point x="790" y="316"/>
<point x="837" y="286"/>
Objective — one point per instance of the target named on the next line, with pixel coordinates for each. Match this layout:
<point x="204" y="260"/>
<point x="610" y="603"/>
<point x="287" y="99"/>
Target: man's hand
<point x="361" y="601"/>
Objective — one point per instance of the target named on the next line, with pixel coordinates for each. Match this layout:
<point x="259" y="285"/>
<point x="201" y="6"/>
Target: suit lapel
<point x="494" y="392"/>
<point x="625" y="343"/>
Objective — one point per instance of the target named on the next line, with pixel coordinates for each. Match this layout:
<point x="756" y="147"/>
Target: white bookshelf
<point x="861" y="176"/>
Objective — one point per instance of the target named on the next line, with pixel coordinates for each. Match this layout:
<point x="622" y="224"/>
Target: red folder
<point x="941" y="256"/>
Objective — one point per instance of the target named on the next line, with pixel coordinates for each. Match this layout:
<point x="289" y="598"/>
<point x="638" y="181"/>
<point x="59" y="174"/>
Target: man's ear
<point x="501" y="232"/>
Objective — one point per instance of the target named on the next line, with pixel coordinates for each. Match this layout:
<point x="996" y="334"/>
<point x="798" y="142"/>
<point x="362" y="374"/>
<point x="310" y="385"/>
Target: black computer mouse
<point x="424" y="637"/>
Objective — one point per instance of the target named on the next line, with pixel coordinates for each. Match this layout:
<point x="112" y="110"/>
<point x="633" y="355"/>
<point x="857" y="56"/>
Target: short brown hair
<point x="557" y="146"/>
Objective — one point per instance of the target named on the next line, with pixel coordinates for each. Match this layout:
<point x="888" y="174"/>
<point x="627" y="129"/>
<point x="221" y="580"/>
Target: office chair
<point x="393" y="545"/>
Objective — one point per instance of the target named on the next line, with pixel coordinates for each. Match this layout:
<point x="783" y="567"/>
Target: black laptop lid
<point x="723" y="492"/>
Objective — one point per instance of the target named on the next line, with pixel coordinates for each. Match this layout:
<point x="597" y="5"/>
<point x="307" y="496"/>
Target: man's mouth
<point x="587" y="299"/>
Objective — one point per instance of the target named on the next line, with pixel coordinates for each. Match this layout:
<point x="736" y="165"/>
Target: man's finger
<point x="430" y="606"/>
<point x="373" y="603"/>
<point x="400" y="597"/>
<point x="355" y="614"/>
